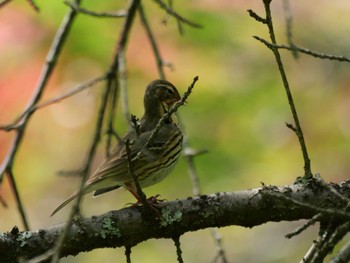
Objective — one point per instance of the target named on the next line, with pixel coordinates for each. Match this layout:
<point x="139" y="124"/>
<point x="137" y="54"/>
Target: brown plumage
<point x="155" y="161"/>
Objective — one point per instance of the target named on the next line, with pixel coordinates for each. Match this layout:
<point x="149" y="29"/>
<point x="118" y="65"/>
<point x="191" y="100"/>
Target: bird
<point x="152" y="163"/>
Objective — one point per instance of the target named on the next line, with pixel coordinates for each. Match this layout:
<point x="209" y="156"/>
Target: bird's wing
<point x="114" y="169"/>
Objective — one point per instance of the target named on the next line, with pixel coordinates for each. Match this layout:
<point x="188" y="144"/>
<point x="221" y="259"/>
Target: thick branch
<point x="126" y="227"/>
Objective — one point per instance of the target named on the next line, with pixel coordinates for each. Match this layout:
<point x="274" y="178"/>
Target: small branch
<point x="218" y="244"/>
<point x="131" y="171"/>
<point x="123" y="85"/>
<point x="304" y="51"/>
<point x="291" y="126"/>
<point x="152" y="40"/>
<point x="171" y="12"/>
<point x="49" y="102"/>
<point x="178" y="249"/>
<point x="76" y="8"/>
<point x="19" y="202"/>
<point x="112" y="110"/>
<point x="128" y="254"/>
<point x="257" y="17"/>
<point x="289" y="22"/>
<point x="309" y="223"/>
<point x="135" y="124"/>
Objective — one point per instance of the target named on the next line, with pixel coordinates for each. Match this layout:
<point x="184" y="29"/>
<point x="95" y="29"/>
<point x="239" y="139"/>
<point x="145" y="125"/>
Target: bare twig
<point x="304" y="51"/>
<point x="298" y="129"/>
<point x="131" y="171"/>
<point x="327" y="211"/>
<point x="54" y="100"/>
<point x="171" y="12"/>
<point x="218" y="244"/>
<point x="117" y="14"/>
<point x="19" y="203"/>
<point x="128" y="254"/>
<point x="309" y="223"/>
<point x="178" y="249"/>
<point x="123" y="85"/>
<point x="289" y="22"/>
<point x="111" y="117"/>
<point x="152" y="40"/>
<point x="256" y="16"/>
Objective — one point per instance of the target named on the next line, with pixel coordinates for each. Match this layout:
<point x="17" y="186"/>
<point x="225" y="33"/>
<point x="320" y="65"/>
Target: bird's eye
<point x="169" y="91"/>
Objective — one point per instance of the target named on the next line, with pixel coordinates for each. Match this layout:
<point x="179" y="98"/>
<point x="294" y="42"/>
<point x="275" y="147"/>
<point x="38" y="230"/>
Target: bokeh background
<point x="237" y="112"/>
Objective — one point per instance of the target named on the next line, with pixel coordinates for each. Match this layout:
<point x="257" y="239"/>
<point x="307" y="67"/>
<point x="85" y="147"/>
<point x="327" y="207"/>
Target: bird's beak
<point x="170" y="102"/>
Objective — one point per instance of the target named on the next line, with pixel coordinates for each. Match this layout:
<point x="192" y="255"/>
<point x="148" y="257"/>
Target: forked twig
<point x="171" y="12"/>
<point x="117" y="14"/>
<point x="46" y="72"/>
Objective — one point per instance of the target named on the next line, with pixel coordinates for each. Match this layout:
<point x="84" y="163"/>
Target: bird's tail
<point x="65" y="203"/>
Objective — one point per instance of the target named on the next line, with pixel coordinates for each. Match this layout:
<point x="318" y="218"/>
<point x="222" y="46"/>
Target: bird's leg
<point x="153" y="202"/>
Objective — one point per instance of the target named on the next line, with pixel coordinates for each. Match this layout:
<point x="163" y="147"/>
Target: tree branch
<point x="127" y="227"/>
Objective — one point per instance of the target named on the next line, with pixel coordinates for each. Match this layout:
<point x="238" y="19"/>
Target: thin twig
<point x="298" y="131"/>
<point x="309" y="223"/>
<point x="19" y="203"/>
<point x="304" y="51"/>
<point x="256" y="16"/>
<point x="111" y="117"/>
<point x="153" y="42"/>
<point x="289" y="23"/>
<point x="178" y="249"/>
<point x="131" y="172"/>
<point x="54" y="100"/>
<point x="218" y="244"/>
<point x="171" y="12"/>
<point x="123" y="85"/>
<point x="117" y="14"/>
<point x="328" y="211"/>
<point x="128" y="254"/>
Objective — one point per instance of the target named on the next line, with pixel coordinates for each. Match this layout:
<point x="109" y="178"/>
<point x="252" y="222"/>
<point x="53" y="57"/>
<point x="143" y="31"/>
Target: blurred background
<point x="237" y="112"/>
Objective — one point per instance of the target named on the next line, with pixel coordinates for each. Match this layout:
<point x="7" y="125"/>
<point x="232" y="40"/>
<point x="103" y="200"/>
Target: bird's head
<point x="159" y="97"/>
